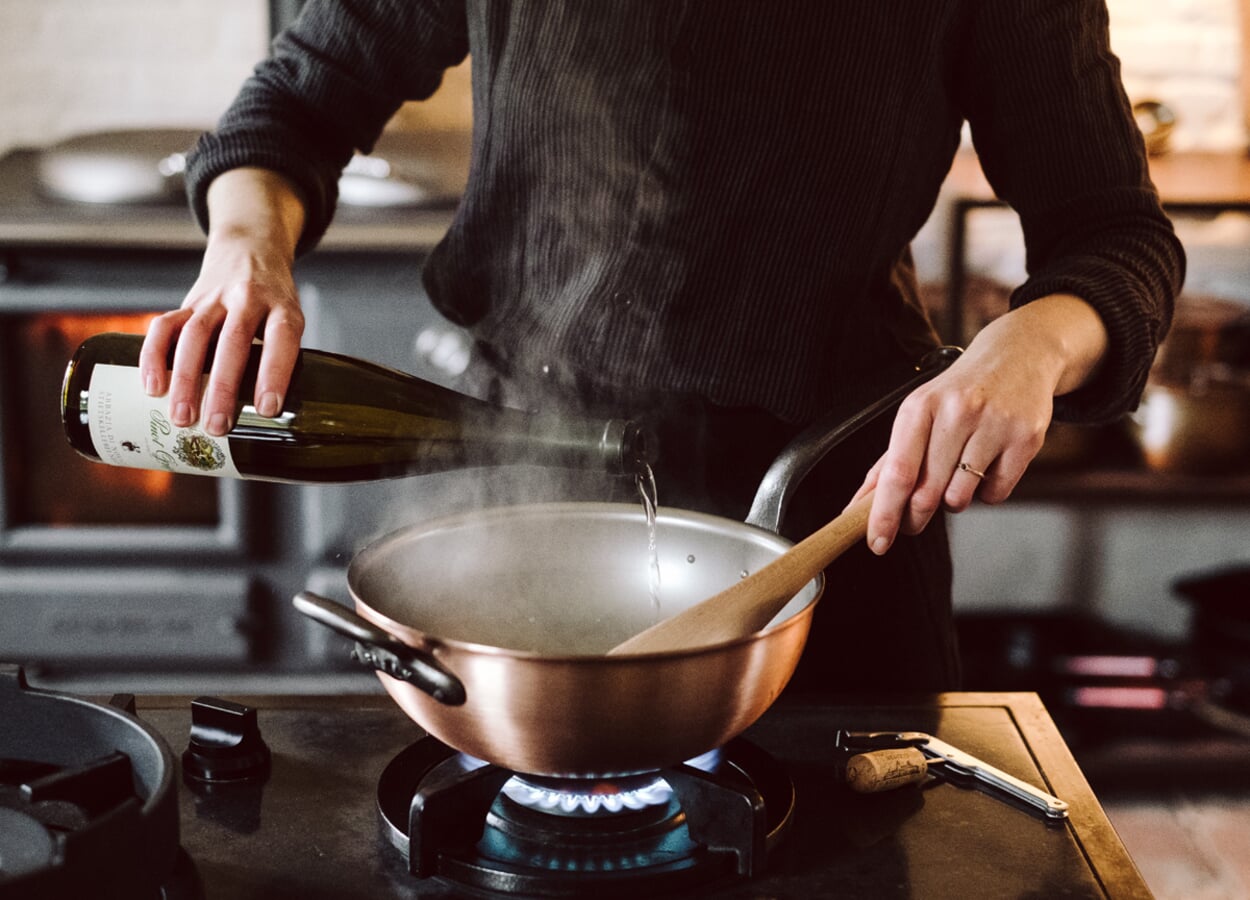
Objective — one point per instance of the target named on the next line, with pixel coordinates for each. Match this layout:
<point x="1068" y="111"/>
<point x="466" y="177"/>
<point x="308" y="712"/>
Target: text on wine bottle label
<point x="129" y="428"/>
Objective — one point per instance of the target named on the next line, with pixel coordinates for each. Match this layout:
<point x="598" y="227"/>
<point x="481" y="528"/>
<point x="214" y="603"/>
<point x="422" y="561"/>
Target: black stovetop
<point x="312" y="831"/>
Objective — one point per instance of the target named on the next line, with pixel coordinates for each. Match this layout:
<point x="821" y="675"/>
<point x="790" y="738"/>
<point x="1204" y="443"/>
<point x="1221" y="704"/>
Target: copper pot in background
<point x="1195" y="432"/>
<point x="1195" y="414"/>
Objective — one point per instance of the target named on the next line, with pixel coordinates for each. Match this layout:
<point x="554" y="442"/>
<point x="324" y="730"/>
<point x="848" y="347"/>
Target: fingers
<point x="898" y="473"/>
<point x="234" y="346"/>
<point x="283" y="330"/>
<point x="993" y="459"/>
<point x="965" y="481"/>
<point x="870" y="482"/>
<point x="951" y="444"/>
<point x="230" y="319"/>
<point x="186" y="376"/>
<point x="157" y="348"/>
<point x="249" y="308"/>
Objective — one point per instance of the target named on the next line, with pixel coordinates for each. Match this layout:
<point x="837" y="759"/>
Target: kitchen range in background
<point x="113" y="570"/>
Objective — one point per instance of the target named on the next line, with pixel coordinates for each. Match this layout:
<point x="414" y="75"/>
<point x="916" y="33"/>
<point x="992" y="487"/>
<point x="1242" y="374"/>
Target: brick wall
<point x="68" y="66"/>
<point x="1187" y="54"/>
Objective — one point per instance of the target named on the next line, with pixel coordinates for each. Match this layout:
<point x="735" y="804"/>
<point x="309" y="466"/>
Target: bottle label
<point x="129" y="428"/>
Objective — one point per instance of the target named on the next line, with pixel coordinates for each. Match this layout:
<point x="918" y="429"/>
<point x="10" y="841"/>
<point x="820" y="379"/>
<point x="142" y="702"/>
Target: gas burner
<point x="479" y="826"/>
<point x="600" y="798"/>
<point x="87" y="806"/>
<point x="578" y="797"/>
<point x="41" y="803"/>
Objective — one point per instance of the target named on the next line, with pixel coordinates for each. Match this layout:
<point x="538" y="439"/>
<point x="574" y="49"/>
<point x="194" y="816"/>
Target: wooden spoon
<point x="750" y="604"/>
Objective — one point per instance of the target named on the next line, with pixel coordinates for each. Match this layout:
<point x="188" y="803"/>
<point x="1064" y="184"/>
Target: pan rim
<point x="439" y="646"/>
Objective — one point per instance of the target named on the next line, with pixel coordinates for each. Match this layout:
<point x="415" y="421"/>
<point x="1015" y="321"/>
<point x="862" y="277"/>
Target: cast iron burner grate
<point x="459" y="819"/>
<point x="86" y="806"/>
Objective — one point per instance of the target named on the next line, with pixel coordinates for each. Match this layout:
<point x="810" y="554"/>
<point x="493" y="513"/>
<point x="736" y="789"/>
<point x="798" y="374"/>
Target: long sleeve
<point x="328" y="87"/>
<point x="1056" y="137"/>
<point x="691" y="196"/>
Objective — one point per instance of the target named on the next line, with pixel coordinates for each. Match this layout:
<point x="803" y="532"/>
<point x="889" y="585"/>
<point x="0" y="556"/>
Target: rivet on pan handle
<point x="381" y="651"/>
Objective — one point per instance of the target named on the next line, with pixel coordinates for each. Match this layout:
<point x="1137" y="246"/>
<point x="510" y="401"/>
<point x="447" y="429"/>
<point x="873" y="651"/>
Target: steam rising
<point x="514" y="587"/>
<point x="555" y="585"/>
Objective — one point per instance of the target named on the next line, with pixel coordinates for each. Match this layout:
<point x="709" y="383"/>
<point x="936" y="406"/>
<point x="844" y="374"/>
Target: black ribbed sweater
<point x="716" y="196"/>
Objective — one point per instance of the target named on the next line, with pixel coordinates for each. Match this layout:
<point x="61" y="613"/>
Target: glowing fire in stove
<point x="62" y="332"/>
<point x="592" y="797"/>
<point x="47" y="482"/>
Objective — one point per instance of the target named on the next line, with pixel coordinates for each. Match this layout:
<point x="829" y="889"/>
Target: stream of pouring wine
<point x="650" y="501"/>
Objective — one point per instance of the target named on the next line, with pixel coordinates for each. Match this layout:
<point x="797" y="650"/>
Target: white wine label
<point x="129" y="428"/>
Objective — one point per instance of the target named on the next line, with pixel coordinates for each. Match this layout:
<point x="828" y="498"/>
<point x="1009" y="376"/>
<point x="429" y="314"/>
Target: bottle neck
<point x="625" y="448"/>
<point x="615" y="446"/>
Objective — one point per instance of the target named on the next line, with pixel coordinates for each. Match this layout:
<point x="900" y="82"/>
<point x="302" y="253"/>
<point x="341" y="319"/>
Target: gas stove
<point x="344" y="797"/>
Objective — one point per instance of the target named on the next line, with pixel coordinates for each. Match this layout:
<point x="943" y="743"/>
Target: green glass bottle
<point x="343" y="420"/>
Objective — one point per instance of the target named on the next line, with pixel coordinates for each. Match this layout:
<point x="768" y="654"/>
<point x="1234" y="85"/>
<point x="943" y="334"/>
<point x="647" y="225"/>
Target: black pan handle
<point x="801" y="455"/>
<point x="381" y="651"/>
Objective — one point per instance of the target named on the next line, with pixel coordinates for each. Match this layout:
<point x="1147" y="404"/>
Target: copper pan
<point x="489" y="629"/>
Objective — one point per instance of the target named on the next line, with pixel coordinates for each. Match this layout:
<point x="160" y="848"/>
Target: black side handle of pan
<point x="381" y="651"/>
<point x="801" y="455"/>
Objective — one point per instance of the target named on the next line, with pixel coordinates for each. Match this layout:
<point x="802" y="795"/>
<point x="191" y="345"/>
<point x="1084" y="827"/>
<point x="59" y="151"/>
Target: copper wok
<point x="489" y="628"/>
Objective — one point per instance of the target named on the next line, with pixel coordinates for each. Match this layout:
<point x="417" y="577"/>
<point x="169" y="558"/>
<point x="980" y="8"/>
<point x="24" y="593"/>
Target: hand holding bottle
<point x="245" y="290"/>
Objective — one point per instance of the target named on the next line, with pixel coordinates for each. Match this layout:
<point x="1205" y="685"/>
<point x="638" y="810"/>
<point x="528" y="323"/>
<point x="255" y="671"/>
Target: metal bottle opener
<point x="956" y="762"/>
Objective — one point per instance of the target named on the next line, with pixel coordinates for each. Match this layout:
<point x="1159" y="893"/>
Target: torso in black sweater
<point x="716" y="198"/>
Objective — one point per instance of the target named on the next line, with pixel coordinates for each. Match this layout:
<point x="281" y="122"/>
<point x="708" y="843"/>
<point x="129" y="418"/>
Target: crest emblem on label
<point x="199" y="451"/>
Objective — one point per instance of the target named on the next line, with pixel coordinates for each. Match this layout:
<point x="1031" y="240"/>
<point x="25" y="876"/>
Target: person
<point x="703" y="210"/>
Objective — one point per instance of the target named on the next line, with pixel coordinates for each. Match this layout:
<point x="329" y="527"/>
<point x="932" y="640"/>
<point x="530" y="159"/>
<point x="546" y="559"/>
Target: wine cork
<point x="883" y="770"/>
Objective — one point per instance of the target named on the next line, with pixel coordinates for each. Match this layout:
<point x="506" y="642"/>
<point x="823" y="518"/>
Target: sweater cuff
<point x="1116" y="386"/>
<point x="216" y="153"/>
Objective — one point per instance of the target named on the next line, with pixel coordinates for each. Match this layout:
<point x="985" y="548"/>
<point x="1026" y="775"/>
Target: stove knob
<point x="226" y="745"/>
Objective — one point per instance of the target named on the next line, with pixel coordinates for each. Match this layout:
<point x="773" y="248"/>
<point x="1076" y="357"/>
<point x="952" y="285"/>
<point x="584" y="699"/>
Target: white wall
<point x="1116" y="561"/>
<point x="69" y="66"/>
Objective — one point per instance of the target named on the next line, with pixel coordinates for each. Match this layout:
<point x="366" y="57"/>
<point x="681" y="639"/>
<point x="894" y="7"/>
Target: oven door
<point x="104" y="568"/>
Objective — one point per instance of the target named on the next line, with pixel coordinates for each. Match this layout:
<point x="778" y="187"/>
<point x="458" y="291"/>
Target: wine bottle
<point x="343" y="420"/>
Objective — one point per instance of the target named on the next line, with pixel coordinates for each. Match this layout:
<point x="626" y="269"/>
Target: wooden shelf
<point x="1209" y="179"/>
<point x="1133" y="486"/>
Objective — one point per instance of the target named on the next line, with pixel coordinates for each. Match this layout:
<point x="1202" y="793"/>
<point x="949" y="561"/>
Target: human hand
<point x="245" y="289"/>
<point x="974" y="429"/>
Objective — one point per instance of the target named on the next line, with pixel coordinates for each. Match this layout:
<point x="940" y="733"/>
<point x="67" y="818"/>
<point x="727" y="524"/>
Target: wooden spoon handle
<point x="748" y="605"/>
